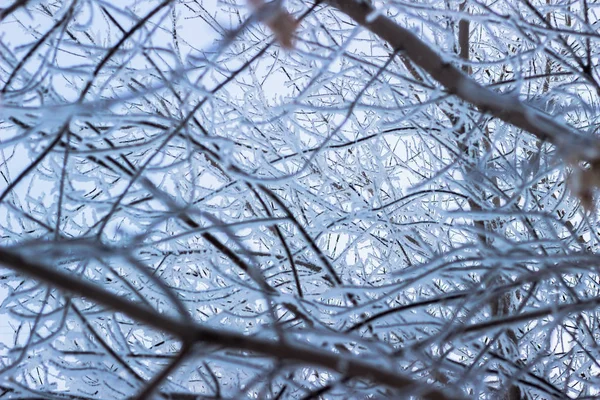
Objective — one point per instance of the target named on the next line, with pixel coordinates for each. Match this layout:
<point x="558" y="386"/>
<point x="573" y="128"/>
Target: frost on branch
<point x="375" y="213"/>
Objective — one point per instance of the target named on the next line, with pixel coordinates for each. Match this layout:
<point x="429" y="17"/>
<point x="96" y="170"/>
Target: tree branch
<point x="573" y="146"/>
<point x="189" y="332"/>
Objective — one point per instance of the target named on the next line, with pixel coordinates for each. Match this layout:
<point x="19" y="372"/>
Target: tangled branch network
<point x="226" y="199"/>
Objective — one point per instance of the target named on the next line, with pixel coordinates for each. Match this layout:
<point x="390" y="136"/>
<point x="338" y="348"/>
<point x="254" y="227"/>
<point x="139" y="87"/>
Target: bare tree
<point x="300" y="199"/>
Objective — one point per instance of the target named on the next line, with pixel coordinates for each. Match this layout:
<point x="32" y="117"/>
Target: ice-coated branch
<point x="191" y="333"/>
<point x="571" y="145"/>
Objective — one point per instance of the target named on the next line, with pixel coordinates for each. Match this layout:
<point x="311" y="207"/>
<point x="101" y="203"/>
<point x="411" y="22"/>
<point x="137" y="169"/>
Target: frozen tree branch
<point x="190" y="333"/>
<point x="571" y="144"/>
<point x="296" y="199"/>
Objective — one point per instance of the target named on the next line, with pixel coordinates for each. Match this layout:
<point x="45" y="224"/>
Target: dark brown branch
<point x="189" y="332"/>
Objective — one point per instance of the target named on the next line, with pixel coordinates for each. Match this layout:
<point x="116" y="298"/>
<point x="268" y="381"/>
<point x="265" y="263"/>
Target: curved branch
<point x="189" y="332"/>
